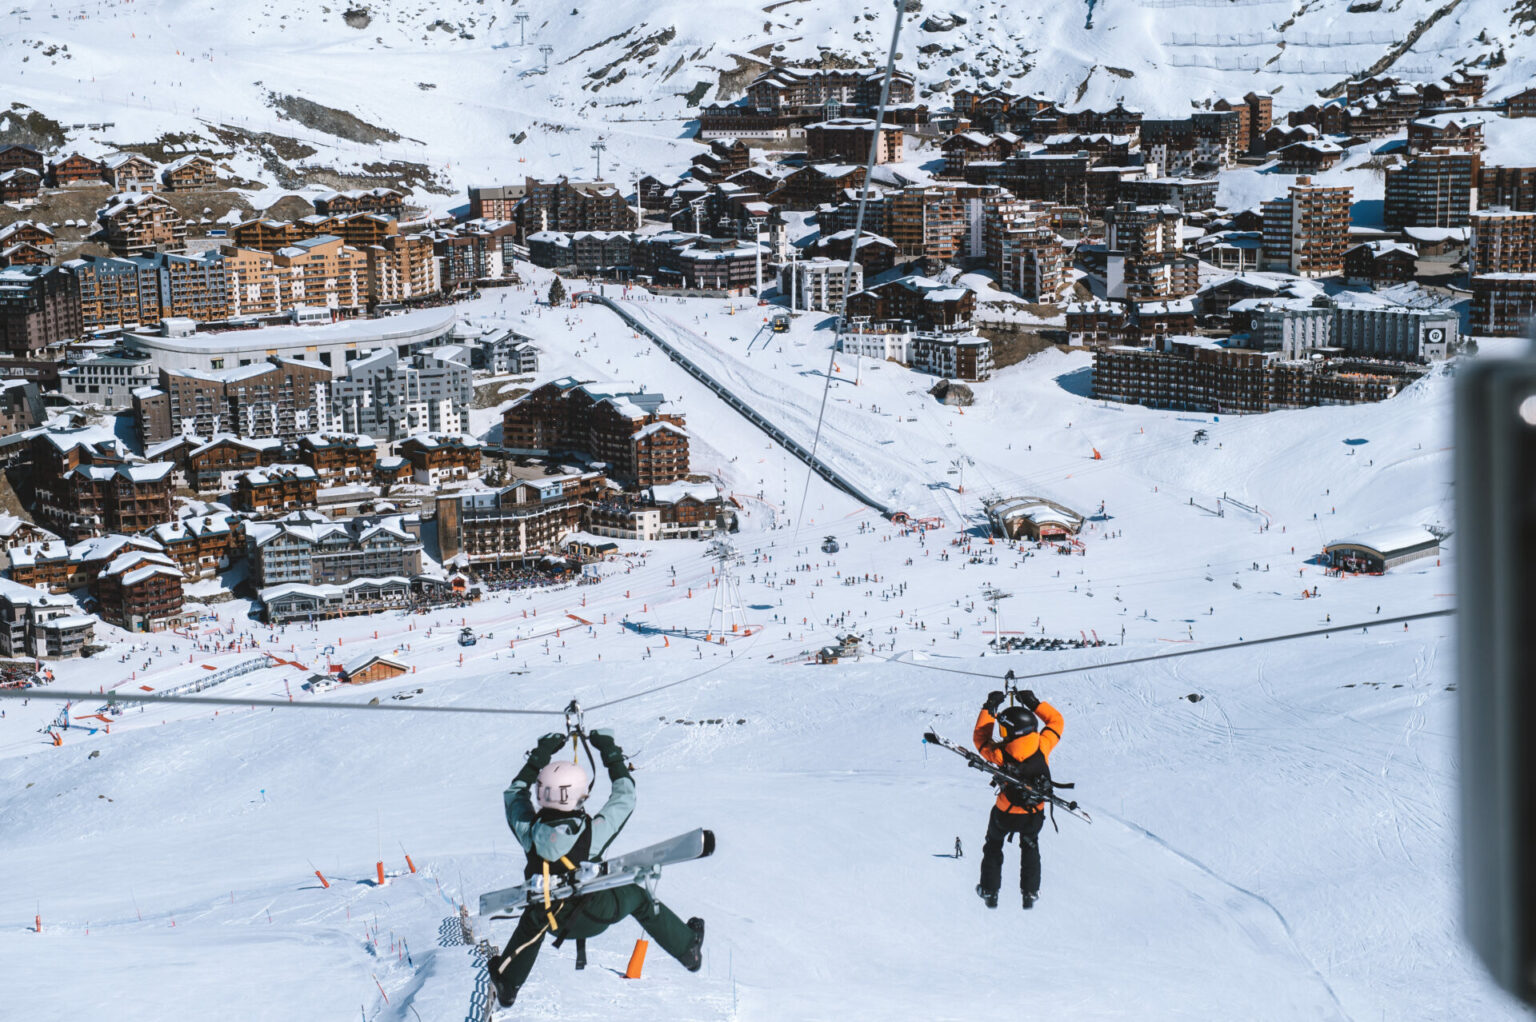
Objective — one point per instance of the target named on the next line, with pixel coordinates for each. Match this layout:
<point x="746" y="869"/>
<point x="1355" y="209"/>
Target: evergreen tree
<point x="556" y="293"/>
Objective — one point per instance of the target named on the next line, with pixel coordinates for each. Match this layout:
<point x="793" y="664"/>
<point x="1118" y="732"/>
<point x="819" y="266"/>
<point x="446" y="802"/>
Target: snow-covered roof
<point x="1389" y="540"/>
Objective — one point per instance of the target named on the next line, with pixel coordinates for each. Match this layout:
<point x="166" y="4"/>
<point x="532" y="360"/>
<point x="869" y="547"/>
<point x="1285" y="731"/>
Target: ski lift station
<point x="1374" y="552"/>
<point x="1033" y="518"/>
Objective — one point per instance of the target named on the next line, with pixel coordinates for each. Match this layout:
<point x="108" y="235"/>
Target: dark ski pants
<point x="588" y="916"/>
<point x="999" y="826"/>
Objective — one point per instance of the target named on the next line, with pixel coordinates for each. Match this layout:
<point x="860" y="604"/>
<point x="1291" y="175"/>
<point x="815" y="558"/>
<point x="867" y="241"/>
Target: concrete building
<point x="39" y="308"/>
<point x="952" y="354"/>
<point x="1306" y="232"/>
<point x="817" y="284"/>
<point x="390" y="397"/>
<point x="1501" y="264"/>
<point x="1198" y="374"/>
<point x="1435" y="189"/>
<point x="141" y="291"/>
<point x="107" y="380"/>
<point x="1296" y="327"/>
<point x="280" y="397"/>
<point x="34" y="623"/>
<point x="332" y="345"/>
<point x="1146" y="258"/>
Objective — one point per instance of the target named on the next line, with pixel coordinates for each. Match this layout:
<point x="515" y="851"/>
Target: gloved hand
<point x="606" y="747"/>
<point x="545" y="750"/>
<point x="1029" y="699"/>
<point x="613" y="757"/>
<point x="994" y="700"/>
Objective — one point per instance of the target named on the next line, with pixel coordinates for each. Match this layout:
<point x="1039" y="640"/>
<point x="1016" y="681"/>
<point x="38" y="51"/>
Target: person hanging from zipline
<point x="1024" y="752"/>
<point x="544" y="807"/>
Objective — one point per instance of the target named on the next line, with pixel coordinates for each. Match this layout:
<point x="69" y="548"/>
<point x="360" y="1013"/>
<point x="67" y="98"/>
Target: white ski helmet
<point x="562" y="787"/>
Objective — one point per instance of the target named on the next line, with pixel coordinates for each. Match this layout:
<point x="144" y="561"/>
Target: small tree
<point x="556" y="293"/>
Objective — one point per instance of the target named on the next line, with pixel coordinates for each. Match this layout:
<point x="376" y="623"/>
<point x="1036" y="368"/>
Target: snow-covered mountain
<point x="446" y="94"/>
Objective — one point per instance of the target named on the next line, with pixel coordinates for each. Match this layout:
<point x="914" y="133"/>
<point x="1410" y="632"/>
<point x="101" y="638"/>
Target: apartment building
<point x="129" y="172"/>
<point x="1198" y="374"/>
<point x="307" y="548"/>
<point x="1146" y="258"/>
<point x="339" y="458"/>
<point x="39" y="308"/>
<point x="438" y="458"/>
<point x="390" y="397"/>
<point x="927" y="223"/>
<point x="136" y="223"/>
<point x="925" y="303"/>
<point x="402" y="268"/>
<point x="277" y="489"/>
<point x="190" y="174"/>
<point x="1434" y="189"/>
<point x="639" y="435"/>
<point x="952" y="354"/>
<point x="140" y="592"/>
<point x="94" y="499"/>
<point x="1307" y="231"/>
<point x="1501" y="265"/>
<point x="37" y="625"/>
<point x="847" y="140"/>
<point x="510" y="524"/>
<point x="385" y="201"/>
<point x="144" y="290"/>
<point x="281" y="397"/>
<point x="1512" y="188"/>
<point x="202" y="545"/>
<point x="817" y="283"/>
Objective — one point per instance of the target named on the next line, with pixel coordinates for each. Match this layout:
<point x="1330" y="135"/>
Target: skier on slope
<point x="558" y="836"/>
<point x="1024" y="752"/>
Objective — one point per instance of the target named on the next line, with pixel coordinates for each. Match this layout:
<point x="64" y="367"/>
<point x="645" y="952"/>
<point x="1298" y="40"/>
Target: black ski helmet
<point x="1018" y="720"/>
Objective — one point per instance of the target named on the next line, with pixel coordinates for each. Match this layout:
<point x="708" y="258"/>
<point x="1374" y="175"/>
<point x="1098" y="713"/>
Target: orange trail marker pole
<point x="381" y="874"/>
<point x="636" y="960"/>
<point x="323" y="882"/>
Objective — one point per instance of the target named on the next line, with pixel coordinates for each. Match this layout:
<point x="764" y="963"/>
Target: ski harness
<point x="1033" y="774"/>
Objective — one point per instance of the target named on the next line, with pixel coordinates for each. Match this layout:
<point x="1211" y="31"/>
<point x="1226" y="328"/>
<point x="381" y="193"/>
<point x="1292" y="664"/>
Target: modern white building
<point x="817" y="284"/>
<point x="331" y="344"/>
<point x="107" y="380"/>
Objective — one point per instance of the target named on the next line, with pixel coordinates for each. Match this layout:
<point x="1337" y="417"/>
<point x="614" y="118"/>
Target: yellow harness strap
<point x="548" y="912"/>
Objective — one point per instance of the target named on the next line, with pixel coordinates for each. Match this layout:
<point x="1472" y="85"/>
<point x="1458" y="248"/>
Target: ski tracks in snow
<point x="1253" y="897"/>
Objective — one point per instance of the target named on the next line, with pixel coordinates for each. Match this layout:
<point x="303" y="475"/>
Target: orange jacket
<point x="1019" y="748"/>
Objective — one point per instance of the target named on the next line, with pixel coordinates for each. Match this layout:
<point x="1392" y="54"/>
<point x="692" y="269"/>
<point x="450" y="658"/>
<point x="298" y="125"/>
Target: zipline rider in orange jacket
<point x="1028" y="734"/>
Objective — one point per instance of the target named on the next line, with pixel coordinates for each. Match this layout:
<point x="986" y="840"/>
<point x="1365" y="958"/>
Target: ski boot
<point x="505" y="995"/>
<point x="990" y="897"/>
<point x="1030" y="897"/>
<point x="693" y="958"/>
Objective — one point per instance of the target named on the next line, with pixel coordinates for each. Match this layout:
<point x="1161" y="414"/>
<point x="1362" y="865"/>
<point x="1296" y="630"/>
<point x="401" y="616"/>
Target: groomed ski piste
<point x="1282" y="847"/>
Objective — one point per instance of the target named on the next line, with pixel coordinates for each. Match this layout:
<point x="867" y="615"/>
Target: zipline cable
<point x="111" y="697"/>
<point x="853" y="252"/>
<point x="1240" y="644"/>
<point x="126" y="697"/>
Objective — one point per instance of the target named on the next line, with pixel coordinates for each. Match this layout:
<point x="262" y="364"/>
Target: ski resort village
<point x="744" y="511"/>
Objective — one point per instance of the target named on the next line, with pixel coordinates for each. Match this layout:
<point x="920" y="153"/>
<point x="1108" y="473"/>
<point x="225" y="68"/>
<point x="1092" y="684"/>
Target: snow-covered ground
<point x="1281" y="848"/>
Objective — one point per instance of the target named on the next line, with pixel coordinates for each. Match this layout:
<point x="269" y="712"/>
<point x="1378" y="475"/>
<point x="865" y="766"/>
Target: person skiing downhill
<point x="558" y="836"/>
<point x="1024" y="752"/>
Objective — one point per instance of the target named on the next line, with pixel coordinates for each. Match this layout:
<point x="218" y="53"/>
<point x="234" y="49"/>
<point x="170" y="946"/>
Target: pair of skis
<point x="641" y="866"/>
<point x="1005" y="779"/>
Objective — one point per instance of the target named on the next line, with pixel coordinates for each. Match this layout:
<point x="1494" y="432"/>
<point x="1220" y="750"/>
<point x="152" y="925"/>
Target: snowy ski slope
<point x="1281" y="848"/>
<point x="474" y="105"/>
